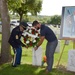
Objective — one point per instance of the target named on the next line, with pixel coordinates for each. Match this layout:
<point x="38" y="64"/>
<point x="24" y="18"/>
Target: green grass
<point x="26" y="67"/>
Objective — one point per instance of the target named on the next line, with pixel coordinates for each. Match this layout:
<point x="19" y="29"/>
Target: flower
<point x="27" y="42"/>
<point x="34" y="41"/>
<point x="31" y="37"/>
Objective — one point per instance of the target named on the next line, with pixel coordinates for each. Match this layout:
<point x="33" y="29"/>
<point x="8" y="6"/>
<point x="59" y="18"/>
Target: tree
<point x="24" y="6"/>
<point x="55" y="20"/>
<point x="5" y="47"/>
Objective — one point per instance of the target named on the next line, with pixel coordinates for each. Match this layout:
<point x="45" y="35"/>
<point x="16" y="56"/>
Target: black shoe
<point x="14" y="65"/>
<point x="18" y="63"/>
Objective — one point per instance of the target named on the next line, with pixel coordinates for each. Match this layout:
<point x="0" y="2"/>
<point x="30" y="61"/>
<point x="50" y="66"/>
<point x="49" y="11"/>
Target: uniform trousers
<point x="17" y="56"/>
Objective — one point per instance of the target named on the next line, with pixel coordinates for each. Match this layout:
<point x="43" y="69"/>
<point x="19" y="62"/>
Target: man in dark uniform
<point x="48" y="34"/>
<point x="16" y="43"/>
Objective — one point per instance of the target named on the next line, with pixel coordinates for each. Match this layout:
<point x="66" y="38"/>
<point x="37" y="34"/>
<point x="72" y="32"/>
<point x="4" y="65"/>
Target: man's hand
<point x="26" y="47"/>
<point x="23" y="45"/>
<point x="40" y="42"/>
<point x="35" y="48"/>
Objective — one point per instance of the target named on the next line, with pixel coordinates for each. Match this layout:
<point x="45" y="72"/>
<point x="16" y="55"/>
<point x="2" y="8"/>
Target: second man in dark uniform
<point x="16" y="43"/>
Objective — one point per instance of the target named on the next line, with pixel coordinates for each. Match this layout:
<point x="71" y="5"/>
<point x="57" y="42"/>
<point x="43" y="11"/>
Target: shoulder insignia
<point x="16" y="36"/>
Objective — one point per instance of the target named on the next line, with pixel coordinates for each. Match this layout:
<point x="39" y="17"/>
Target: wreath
<point x="31" y="37"/>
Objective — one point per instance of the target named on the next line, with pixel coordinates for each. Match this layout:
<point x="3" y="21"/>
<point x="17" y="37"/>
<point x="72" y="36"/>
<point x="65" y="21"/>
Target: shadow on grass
<point x="24" y="69"/>
<point x="28" y="69"/>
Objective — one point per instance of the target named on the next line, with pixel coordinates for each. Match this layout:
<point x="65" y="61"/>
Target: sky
<point x="54" y="7"/>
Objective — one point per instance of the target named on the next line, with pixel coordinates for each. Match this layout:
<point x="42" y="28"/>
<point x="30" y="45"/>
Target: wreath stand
<point x="66" y="43"/>
<point x="69" y="68"/>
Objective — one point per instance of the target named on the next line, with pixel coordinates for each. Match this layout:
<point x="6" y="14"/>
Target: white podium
<point x="71" y="60"/>
<point x="37" y="57"/>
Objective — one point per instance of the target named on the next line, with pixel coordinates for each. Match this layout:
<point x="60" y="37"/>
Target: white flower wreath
<point x="31" y="37"/>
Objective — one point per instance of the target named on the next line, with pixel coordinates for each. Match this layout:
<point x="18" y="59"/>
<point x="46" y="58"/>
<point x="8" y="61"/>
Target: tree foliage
<point x="25" y="6"/>
<point x="55" y="20"/>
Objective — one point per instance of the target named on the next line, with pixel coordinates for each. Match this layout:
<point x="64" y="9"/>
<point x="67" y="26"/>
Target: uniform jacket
<point x="15" y="36"/>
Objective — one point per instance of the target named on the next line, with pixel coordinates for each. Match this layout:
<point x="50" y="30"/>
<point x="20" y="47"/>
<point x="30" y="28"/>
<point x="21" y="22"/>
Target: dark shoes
<point x="14" y="65"/>
<point x="46" y="71"/>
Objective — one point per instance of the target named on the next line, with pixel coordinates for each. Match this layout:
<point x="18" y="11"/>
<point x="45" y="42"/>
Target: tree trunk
<point x="5" y="47"/>
<point x="21" y="15"/>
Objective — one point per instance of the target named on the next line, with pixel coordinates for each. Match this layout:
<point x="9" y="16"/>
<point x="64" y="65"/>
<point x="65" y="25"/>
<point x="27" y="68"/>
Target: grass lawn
<point x="26" y="67"/>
